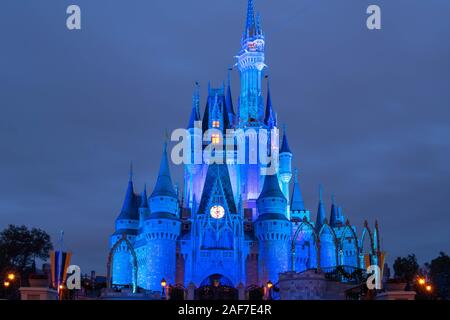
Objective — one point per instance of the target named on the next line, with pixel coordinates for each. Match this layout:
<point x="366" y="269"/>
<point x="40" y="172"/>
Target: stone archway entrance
<point x="177" y="292"/>
<point x="255" y="293"/>
<point x="216" y="287"/>
<point x="111" y="260"/>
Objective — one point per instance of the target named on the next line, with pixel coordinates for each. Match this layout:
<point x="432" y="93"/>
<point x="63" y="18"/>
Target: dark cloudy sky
<point x="367" y="111"/>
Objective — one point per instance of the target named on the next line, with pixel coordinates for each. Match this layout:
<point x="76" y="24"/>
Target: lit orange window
<point x="215" y="139"/>
<point x="216" y="124"/>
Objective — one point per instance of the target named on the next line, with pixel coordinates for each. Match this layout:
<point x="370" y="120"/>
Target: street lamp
<point x="11" y="276"/>
<point x="421" y="281"/>
<point x="6" y="285"/>
<point x="163" y="285"/>
<point x="60" y="291"/>
<point x="428" y="288"/>
<point x="269" y="286"/>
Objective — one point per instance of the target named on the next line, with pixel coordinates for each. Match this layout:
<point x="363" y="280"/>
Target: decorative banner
<point x="367" y="260"/>
<point x="59" y="263"/>
<point x="381" y="258"/>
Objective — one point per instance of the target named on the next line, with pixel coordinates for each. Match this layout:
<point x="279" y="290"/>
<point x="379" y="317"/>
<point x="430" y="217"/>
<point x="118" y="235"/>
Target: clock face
<point x="217" y="212"/>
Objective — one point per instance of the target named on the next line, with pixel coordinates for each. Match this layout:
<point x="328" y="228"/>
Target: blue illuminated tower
<point x="156" y="250"/>
<point x="273" y="231"/>
<point x="250" y="62"/>
<point x="126" y="226"/>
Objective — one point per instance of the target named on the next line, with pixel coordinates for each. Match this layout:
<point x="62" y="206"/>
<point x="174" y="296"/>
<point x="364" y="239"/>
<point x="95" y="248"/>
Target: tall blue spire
<point x="334" y="218"/>
<point x="195" y="113"/>
<point x="285" y="145"/>
<point x="297" y="203"/>
<point x="129" y="207"/>
<point x="269" y="117"/>
<point x="320" y="219"/>
<point x="258" y="23"/>
<point x="164" y="186"/>
<point x="250" y="26"/>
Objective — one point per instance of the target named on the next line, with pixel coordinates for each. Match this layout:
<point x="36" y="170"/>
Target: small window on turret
<point x="216" y="124"/>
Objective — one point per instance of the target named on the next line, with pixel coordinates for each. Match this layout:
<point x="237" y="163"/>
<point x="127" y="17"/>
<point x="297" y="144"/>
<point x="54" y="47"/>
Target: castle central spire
<point x="251" y="64"/>
<point x="250" y="26"/>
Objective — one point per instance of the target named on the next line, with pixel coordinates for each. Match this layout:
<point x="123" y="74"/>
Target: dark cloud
<point x="367" y="112"/>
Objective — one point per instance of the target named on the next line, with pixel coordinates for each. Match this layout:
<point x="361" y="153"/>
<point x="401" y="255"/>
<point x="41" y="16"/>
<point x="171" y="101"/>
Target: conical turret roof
<point x="320" y="219"/>
<point x="164" y="186"/>
<point x="130" y="203"/>
<point x="297" y="203"/>
<point x="271" y="187"/>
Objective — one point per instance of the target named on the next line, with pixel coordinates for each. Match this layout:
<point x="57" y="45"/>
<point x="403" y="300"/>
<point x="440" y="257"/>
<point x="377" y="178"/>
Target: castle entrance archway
<point x="216" y="287"/>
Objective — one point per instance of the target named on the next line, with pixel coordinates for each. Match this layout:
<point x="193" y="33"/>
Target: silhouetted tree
<point x="406" y="268"/>
<point x="20" y="247"/>
<point x="439" y="271"/>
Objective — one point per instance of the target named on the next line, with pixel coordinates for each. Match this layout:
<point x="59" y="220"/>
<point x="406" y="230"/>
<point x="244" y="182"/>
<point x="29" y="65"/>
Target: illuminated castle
<point x="232" y="224"/>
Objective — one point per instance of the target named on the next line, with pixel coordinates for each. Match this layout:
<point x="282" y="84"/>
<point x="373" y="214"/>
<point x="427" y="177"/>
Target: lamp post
<point x="269" y="287"/>
<point x="163" y="285"/>
<point x="6" y="285"/>
<point x="60" y="291"/>
<point x="11" y="277"/>
<point x="425" y="285"/>
<point x="14" y="277"/>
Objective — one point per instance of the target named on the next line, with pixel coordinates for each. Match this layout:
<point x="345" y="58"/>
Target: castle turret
<point x="272" y="230"/>
<point x="162" y="229"/>
<point x="164" y="197"/>
<point x="320" y="219"/>
<point x="297" y="210"/>
<point x="126" y="225"/>
<point x="285" y="171"/>
<point x="335" y="220"/>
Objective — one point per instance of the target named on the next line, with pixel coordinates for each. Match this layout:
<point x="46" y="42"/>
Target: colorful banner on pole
<point x="60" y="261"/>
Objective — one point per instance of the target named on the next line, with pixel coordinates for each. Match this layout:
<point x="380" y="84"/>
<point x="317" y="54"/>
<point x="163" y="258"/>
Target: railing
<point x="346" y="274"/>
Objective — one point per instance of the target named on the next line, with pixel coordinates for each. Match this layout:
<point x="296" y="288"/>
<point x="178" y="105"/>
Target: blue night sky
<point x="367" y="111"/>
